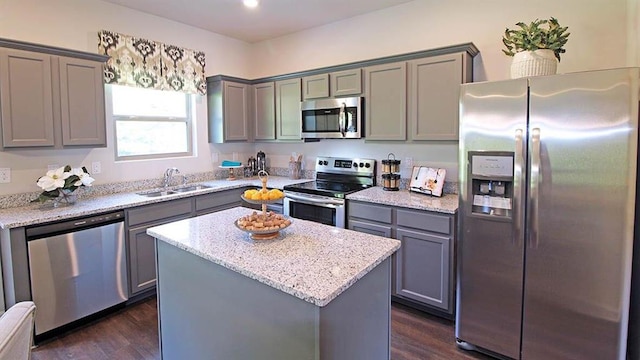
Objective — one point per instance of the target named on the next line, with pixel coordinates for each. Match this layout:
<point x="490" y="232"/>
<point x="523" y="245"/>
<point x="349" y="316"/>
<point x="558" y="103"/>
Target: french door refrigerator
<point x="546" y="216"/>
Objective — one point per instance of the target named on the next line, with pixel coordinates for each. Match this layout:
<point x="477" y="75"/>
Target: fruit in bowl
<point x="263" y="194"/>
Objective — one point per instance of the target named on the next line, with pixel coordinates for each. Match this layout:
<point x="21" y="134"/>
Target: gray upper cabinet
<point x="50" y="96"/>
<point x="434" y="91"/>
<point x="264" y="112"/>
<point x="288" y="116"/>
<point x="346" y="83"/>
<point x="26" y="99"/>
<point x="228" y="107"/>
<point x="386" y="101"/>
<point x="82" y="102"/>
<point x="315" y="86"/>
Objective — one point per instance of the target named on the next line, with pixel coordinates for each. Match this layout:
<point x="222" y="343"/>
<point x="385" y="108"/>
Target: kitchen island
<point x="315" y="292"/>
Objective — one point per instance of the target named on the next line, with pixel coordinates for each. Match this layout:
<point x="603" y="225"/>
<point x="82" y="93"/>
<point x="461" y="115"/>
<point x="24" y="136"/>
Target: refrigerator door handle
<point x="535" y="187"/>
<point x="517" y="187"/>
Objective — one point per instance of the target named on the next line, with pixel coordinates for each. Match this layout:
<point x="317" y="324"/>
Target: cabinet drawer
<point x="368" y="228"/>
<point x="424" y="221"/>
<point x="159" y="211"/>
<point x="370" y="212"/>
<point x="218" y="199"/>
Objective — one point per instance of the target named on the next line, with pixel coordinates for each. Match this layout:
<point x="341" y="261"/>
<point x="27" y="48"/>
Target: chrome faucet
<point x="168" y="174"/>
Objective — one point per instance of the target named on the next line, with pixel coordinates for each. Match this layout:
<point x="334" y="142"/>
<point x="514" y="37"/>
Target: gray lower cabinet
<point x="264" y="111"/>
<point x="386" y="101"/>
<point x="228" y="111"/>
<point x="141" y="248"/>
<point x="42" y="95"/>
<point x="423" y="268"/>
<point x="212" y="202"/>
<point x="288" y="116"/>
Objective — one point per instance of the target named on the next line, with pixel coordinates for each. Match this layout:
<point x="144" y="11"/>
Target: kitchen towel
<point x="231" y="163"/>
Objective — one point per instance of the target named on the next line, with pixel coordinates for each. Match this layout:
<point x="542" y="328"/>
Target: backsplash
<point x="23" y="199"/>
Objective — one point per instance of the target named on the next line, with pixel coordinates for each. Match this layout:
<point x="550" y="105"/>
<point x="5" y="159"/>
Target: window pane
<point x="151" y="137"/>
<point x="131" y="101"/>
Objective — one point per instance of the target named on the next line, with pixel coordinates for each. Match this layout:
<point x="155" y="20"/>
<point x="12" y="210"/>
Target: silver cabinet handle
<point x="517" y="187"/>
<point x="534" y="187"/>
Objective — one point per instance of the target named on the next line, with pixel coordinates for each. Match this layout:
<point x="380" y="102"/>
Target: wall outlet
<point x="5" y="175"/>
<point x="96" y="167"/>
<point x="215" y="158"/>
<point x="235" y="156"/>
<point x="408" y="162"/>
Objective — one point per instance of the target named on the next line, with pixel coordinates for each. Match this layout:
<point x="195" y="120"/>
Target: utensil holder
<point x="294" y="169"/>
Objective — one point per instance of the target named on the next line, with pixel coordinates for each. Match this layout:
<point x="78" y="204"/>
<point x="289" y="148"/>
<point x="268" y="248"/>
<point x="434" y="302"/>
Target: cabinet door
<point x="82" y="102"/>
<point x="264" y="116"/>
<point x="142" y="260"/>
<point x="288" y="116"/>
<point x="236" y="111"/>
<point x="423" y="268"/>
<point x="434" y="93"/>
<point x="386" y="101"/>
<point x="316" y="86"/>
<point x="345" y="83"/>
<point x="26" y="99"/>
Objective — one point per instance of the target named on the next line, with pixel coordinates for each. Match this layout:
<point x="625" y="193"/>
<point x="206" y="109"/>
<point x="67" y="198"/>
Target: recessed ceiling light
<point x="250" y="3"/>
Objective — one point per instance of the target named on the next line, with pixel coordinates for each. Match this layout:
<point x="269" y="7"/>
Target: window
<point x="151" y="124"/>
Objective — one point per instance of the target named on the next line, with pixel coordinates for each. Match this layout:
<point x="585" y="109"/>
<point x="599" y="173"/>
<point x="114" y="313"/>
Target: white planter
<point x="533" y="63"/>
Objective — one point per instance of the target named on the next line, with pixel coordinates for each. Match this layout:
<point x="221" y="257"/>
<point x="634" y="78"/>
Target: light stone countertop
<point x="447" y="204"/>
<point x="311" y="261"/>
<point x="43" y="213"/>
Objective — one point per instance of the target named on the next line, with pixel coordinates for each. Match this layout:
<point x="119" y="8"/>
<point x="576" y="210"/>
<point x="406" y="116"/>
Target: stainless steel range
<point x="323" y="201"/>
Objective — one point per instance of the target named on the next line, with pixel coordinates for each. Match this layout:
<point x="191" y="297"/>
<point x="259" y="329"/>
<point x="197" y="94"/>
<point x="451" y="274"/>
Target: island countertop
<point x="311" y="261"/>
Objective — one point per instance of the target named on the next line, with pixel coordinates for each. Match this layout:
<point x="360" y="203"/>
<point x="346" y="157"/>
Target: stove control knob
<point x="367" y="165"/>
<point x="355" y="165"/>
<point x="361" y="165"/>
<point x="325" y="162"/>
<point x="319" y="162"/>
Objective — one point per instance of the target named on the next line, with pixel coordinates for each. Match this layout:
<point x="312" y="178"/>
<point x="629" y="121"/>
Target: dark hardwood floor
<point x="132" y="333"/>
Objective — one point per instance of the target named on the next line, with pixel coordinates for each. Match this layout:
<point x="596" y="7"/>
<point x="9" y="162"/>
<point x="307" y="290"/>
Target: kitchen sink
<point x="180" y="190"/>
<point x="190" y="188"/>
<point x="157" y="193"/>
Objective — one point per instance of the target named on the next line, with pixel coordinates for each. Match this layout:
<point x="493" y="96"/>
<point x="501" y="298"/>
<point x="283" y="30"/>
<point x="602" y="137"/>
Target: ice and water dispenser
<point x="491" y="180"/>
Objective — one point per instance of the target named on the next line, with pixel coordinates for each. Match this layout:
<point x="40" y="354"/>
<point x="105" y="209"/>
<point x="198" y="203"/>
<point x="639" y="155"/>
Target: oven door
<point x="321" y="209"/>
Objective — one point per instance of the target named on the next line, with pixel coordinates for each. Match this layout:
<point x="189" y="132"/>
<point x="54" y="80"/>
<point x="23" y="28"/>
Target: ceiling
<point x="271" y="19"/>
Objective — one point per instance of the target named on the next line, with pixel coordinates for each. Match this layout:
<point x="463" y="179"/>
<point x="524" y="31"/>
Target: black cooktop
<point x="325" y="188"/>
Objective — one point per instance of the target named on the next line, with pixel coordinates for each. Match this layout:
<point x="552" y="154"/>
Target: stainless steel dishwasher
<point x="77" y="268"/>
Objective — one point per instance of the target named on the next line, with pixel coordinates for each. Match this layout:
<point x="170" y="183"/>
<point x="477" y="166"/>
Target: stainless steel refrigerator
<point x="546" y="218"/>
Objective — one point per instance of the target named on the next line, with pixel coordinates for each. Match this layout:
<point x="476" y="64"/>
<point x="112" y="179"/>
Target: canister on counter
<point x="391" y="182"/>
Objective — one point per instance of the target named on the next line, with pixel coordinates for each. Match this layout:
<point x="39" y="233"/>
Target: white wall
<point x="604" y="34"/>
<point x="74" y="24"/>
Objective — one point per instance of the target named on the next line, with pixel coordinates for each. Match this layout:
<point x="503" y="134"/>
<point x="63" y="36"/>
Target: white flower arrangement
<point x="62" y="181"/>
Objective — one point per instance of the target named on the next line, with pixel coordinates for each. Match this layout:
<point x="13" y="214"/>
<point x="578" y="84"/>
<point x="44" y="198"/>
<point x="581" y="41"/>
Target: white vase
<point x="534" y="63"/>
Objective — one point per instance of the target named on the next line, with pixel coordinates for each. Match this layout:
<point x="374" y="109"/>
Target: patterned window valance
<point x="150" y="64"/>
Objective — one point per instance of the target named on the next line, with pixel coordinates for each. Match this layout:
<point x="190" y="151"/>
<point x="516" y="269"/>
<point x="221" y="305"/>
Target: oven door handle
<point x="314" y="201"/>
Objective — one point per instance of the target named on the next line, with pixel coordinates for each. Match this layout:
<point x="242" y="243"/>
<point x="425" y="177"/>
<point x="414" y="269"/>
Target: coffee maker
<point x="261" y="161"/>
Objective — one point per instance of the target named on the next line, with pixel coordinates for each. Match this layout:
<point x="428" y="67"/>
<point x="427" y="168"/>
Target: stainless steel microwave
<point x="332" y="118"/>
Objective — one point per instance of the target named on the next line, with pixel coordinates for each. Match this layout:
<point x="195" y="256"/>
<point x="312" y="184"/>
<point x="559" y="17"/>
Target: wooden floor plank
<point x="132" y="333"/>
